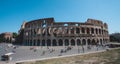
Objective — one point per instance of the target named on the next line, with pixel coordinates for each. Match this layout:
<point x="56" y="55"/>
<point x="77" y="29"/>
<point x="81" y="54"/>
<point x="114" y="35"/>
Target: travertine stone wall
<point x="47" y="32"/>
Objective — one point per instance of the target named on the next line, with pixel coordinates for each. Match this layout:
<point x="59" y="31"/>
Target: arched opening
<point x="48" y="42"/>
<point x="66" y="42"/>
<point x="92" y="30"/>
<point x="101" y="42"/>
<point x="96" y="31"/>
<point x="88" y="31"/>
<point x="34" y="43"/>
<point x="83" y="30"/>
<point x="77" y="30"/>
<point x="73" y="42"/>
<point x="60" y="42"/>
<point x="97" y="41"/>
<point x="89" y="42"/>
<point x="78" y="42"/>
<point x="54" y="42"/>
<point x="71" y="30"/>
<point x="38" y="42"/>
<point x="93" y="42"/>
<point x="30" y="42"/>
<point x="83" y="42"/>
<point x="99" y="31"/>
<point x="43" y="42"/>
<point x="26" y="42"/>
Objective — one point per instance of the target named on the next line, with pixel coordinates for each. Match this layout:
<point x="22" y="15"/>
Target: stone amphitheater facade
<point x="47" y="32"/>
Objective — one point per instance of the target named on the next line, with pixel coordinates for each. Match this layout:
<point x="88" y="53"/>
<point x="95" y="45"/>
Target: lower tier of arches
<point x="64" y="42"/>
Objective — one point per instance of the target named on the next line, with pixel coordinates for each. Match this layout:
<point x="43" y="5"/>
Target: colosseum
<point x="47" y="32"/>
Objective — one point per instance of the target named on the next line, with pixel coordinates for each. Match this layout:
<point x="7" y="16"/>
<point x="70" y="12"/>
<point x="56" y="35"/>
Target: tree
<point x="115" y="37"/>
<point x="15" y="34"/>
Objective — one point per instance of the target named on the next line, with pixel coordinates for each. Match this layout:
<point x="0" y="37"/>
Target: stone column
<point x="75" y="42"/>
<point x="63" y="42"/>
<point x="85" y="30"/>
<point x="74" y="30"/>
<point x="90" y="31"/>
<point x="86" y="42"/>
<point x="94" y="31"/>
<point x="57" y="42"/>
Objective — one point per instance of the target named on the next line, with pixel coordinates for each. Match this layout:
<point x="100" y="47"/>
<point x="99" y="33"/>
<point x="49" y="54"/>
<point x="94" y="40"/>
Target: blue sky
<point x="14" y="12"/>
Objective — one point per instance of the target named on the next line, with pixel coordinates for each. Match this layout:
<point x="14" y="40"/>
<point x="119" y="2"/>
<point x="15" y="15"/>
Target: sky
<point x="14" y="12"/>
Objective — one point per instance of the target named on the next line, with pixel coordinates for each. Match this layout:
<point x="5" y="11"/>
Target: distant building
<point x="7" y="36"/>
<point x="47" y="32"/>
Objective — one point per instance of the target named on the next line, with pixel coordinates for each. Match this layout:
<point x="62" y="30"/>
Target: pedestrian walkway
<point x="33" y="53"/>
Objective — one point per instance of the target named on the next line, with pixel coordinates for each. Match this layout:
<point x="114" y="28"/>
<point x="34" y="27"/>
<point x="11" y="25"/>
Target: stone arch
<point x="43" y="42"/>
<point x="83" y="42"/>
<point x="60" y="42"/>
<point x="25" y="41"/>
<point x="34" y="42"/>
<point x="48" y="42"/>
<point x="66" y="42"/>
<point x="54" y="42"/>
<point x="88" y="31"/>
<point x="89" y="42"/>
<point x="96" y="30"/>
<point x="92" y="30"/>
<point x="93" y="42"/>
<point x="78" y="42"/>
<point x="83" y="30"/>
<point x="77" y="30"/>
<point x="99" y="31"/>
<point x="72" y="42"/>
<point x="101" y="42"/>
<point x="38" y="42"/>
<point x="97" y="41"/>
<point x="30" y="42"/>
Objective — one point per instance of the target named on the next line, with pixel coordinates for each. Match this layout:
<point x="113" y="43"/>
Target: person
<point x="83" y="49"/>
<point x="78" y="50"/>
<point x="43" y="52"/>
<point x="61" y="51"/>
<point x="35" y="50"/>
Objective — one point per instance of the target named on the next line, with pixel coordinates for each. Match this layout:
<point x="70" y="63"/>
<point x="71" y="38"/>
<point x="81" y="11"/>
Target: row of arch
<point x="65" y="42"/>
<point x="72" y="31"/>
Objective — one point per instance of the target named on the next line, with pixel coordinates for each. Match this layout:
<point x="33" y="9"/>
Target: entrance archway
<point x="38" y="42"/>
<point x="72" y="42"/>
<point x="93" y="42"/>
<point x="89" y="42"/>
<point x="54" y="42"/>
<point x="83" y="42"/>
<point x="43" y="42"/>
<point x="101" y="42"/>
<point x="48" y="42"/>
<point x="34" y="42"/>
<point x="66" y="42"/>
<point x="78" y="42"/>
<point x="60" y="42"/>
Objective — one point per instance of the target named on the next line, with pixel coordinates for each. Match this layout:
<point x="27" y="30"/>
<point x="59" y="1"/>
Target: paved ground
<point x="30" y="52"/>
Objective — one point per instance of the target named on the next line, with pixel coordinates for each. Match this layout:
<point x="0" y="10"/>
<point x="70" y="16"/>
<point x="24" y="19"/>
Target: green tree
<point x="115" y="37"/>
<point x="15" y="34"/>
